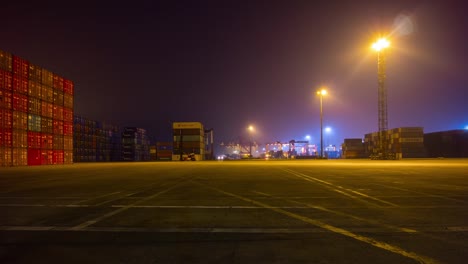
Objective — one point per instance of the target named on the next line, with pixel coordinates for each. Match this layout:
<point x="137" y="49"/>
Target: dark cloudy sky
<point x="229" y="64"/>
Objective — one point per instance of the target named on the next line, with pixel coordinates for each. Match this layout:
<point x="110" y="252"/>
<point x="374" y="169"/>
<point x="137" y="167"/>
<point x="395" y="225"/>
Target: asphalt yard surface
<point x="330" y="211"/>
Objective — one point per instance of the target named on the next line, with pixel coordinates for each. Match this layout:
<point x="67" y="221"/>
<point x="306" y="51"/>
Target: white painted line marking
<point x="338" y="230"/>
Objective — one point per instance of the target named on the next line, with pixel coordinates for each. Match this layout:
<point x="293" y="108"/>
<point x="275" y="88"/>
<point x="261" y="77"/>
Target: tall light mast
<point x="380" y="47"/>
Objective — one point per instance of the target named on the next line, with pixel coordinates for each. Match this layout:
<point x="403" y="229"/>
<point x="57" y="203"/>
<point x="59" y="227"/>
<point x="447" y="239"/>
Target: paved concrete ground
<point x="311" y="211"/>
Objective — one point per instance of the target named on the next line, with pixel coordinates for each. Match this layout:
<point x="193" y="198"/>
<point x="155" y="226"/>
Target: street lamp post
<point x="321" y="93"/>
<point x="251" y="130"/>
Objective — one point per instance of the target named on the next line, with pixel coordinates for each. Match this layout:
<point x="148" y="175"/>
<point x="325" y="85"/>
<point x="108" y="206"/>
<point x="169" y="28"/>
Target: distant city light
<point x="466" y="127"/>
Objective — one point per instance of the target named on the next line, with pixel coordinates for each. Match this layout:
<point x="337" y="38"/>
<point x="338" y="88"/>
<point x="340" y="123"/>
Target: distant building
<point x="189" y="141"/>
<point x="135" y="144"/>
<point x="448" y="144"/>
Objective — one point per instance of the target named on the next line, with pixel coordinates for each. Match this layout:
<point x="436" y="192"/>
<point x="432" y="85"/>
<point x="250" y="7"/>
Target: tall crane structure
<point x="381" y="150"/>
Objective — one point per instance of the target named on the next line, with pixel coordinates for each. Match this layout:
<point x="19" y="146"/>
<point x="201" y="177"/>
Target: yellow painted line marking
<point x="339" y="189"/>
<point x="341" y="231"/>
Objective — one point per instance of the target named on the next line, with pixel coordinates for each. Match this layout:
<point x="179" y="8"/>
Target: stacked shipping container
<point x="36" y="114"/>
<point x="135" y="144"/>
<point x="405" y="142"/>
<point x="164" y="150"/>
<point x="448" y="144"/>
<point x="188" y="139"/>
<point x="353" y="148"/>
<point x="96" y="141"/>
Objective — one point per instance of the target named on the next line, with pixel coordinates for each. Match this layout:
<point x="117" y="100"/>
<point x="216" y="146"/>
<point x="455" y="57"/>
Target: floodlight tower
<point x="379" y="46"/>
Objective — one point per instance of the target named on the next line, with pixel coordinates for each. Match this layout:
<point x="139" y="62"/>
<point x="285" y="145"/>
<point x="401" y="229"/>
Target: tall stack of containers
<point x="405" y="142"/>
<point x="353" y="148"/>
<point x="96" y="141"/>
<point x="188" y="139"/>
<point x="36" y="125"/>
<point x="135" y="144"/>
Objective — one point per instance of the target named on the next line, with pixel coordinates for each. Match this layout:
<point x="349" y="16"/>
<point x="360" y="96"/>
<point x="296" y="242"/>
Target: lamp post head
<point x="322" y="92"/>
<point x="381" y="44"/>
<point x="251" y="128"/>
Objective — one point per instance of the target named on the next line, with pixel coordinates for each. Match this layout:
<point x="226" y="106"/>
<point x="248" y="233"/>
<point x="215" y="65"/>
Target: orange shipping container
<point x="47" y="109"/>
<point x="58" y="142"/>
<point x="20" y="120"/>
<point x="67" y="156"/>
<point x="35" y="72"/>
<point x="20" y="139"/>
<point x="35" y="90"/>
<point x="68" y="143"/>
<point x="47" y="94"/>
<point x="47" y="78"/>
<point x="47" y="125"/>
<point x="68" y="101"/>
<point x="6" y="118"/>
<point x="5" y="157"/>
<point x="34" y="106"/>
<point x="20" y="156"/>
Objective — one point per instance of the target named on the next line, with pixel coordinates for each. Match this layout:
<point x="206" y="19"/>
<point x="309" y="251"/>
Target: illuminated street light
<point x="322" y="92"/>
<point x="251" y="130"/>
<point x="380" y="44"/>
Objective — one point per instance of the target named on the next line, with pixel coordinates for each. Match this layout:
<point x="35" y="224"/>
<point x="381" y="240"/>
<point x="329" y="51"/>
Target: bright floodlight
<point x="251" y="128"/>
<point x="328" y="129"/>
<point x="322" y="92"/>
<point x="381" y="44"/>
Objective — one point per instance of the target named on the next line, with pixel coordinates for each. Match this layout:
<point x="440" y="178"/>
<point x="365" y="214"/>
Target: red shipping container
<point x="68" y="86"/>
<point x="20" y="84"/>
<point x="20" y="66"/>
<point x="58" y="112"/>
<point x="47" y="157"/>
<point x="20" y="103"/>
<point x="57" y="157"/>
<point x="67" y="115"/>
<point x="58" y="82"/>
<point x="34" y="140"/>
<point x="68" y="128"/>
<point x="58" y="127"/>
<point x="6" y="137"/>
<point x="34" y="157"/>
<point x="6" y="118"/>
<point x="6" y="80"/>
<point x="6" y="99"/>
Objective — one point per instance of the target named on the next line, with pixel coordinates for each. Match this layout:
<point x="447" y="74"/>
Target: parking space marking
<point x="122" y="209"/>
<point x="344" y="191"/>
<point x="341" y="231"/>
<point x="323" y="209"/>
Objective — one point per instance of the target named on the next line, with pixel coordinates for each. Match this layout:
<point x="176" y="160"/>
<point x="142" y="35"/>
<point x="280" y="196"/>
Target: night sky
<point x="231" y="64"/>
